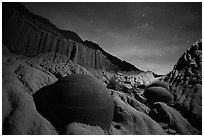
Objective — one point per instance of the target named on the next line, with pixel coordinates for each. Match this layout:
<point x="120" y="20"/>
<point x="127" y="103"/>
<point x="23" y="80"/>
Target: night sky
<point x="152" y="36"/>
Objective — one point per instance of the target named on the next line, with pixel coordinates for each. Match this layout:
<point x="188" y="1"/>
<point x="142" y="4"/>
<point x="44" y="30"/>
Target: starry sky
<point x="151" y="36"/>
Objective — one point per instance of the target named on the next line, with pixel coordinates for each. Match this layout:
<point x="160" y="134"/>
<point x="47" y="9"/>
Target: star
<point x="91" y="21"/>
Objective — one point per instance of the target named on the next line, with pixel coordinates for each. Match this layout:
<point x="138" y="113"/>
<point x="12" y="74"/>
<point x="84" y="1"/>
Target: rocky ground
<point x="142" y="104"/>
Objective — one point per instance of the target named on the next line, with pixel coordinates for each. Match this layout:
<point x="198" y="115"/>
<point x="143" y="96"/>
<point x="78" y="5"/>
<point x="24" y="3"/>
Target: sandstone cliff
<point x="28" y="34"/>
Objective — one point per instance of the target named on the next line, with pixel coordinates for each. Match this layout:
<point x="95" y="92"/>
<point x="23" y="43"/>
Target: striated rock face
<point x="186" y="80"/>
<point x="30" y="35"/>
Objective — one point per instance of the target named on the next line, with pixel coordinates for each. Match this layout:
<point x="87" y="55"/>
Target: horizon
<point x="151" y="36"/>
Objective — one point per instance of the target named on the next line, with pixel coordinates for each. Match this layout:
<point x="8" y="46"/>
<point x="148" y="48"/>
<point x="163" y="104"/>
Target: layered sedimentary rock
<point x="28" y="34"/>
<point x="185" y="81"/>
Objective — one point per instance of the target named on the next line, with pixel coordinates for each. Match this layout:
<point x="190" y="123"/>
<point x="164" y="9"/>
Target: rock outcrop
<point x="128" y="120"/>
<point x="41" y="61"/>
<point x="19" y="115"/>
<point x="28" y="34"/>
<point x="163" y="113"/>
<point x="185" y="81"/>
<point x="76" y="98"/>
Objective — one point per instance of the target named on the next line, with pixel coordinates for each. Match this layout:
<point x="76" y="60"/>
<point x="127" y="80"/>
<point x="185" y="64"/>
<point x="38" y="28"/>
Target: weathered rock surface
<point x="32" y="78"/>
<point x="130" y="114"/>
<point x="82" y="129"/>
<point x="132" y="102"/>
<point x="185" y="80"/>
<point x="76" y="98"/>
<point x="28" y="34"/>
<point x="128" y="120"/>
<point x="19" y="115"/>
<point x="46" y="54"/>
<point x="163" y="113"/>
<point x="57" y="64"/>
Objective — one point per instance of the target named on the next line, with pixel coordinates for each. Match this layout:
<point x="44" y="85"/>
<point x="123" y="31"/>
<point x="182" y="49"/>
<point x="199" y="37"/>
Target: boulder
<point x="158" y="94"/>
<point x="159" y="84"/>
<point x="76" y="98"/>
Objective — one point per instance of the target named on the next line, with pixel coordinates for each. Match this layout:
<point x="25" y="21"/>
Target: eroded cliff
<point x="28" y="34"/>
<point x="186" y="84"/>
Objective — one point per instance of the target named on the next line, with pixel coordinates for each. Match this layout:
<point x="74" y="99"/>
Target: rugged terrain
<point x="36" y="58"/>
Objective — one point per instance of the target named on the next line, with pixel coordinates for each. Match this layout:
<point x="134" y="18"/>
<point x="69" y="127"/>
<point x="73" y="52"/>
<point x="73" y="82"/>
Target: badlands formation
<point x="53" y="83"/>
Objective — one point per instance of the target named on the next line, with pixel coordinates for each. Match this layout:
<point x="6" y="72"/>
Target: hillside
<point x="28" y="34"/>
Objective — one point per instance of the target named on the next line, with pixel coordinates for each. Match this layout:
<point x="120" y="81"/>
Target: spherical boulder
<point x="76" y="98"/>
<point x="159" y="84"/>
<point x="158" y="94"/>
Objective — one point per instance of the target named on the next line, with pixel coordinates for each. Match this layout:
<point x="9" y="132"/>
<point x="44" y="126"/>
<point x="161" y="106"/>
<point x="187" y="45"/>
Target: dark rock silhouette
<point x="76" y="98"/>
<point x="186" y="80"/>
<point x="28" y="34"/>
<point x="157" y="92"/>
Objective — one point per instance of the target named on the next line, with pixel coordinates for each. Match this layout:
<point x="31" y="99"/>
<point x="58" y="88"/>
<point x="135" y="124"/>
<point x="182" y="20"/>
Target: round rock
<point x="159" y="84"/>
<point x="76" y="98"/>
<point x="158" y="94"/>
